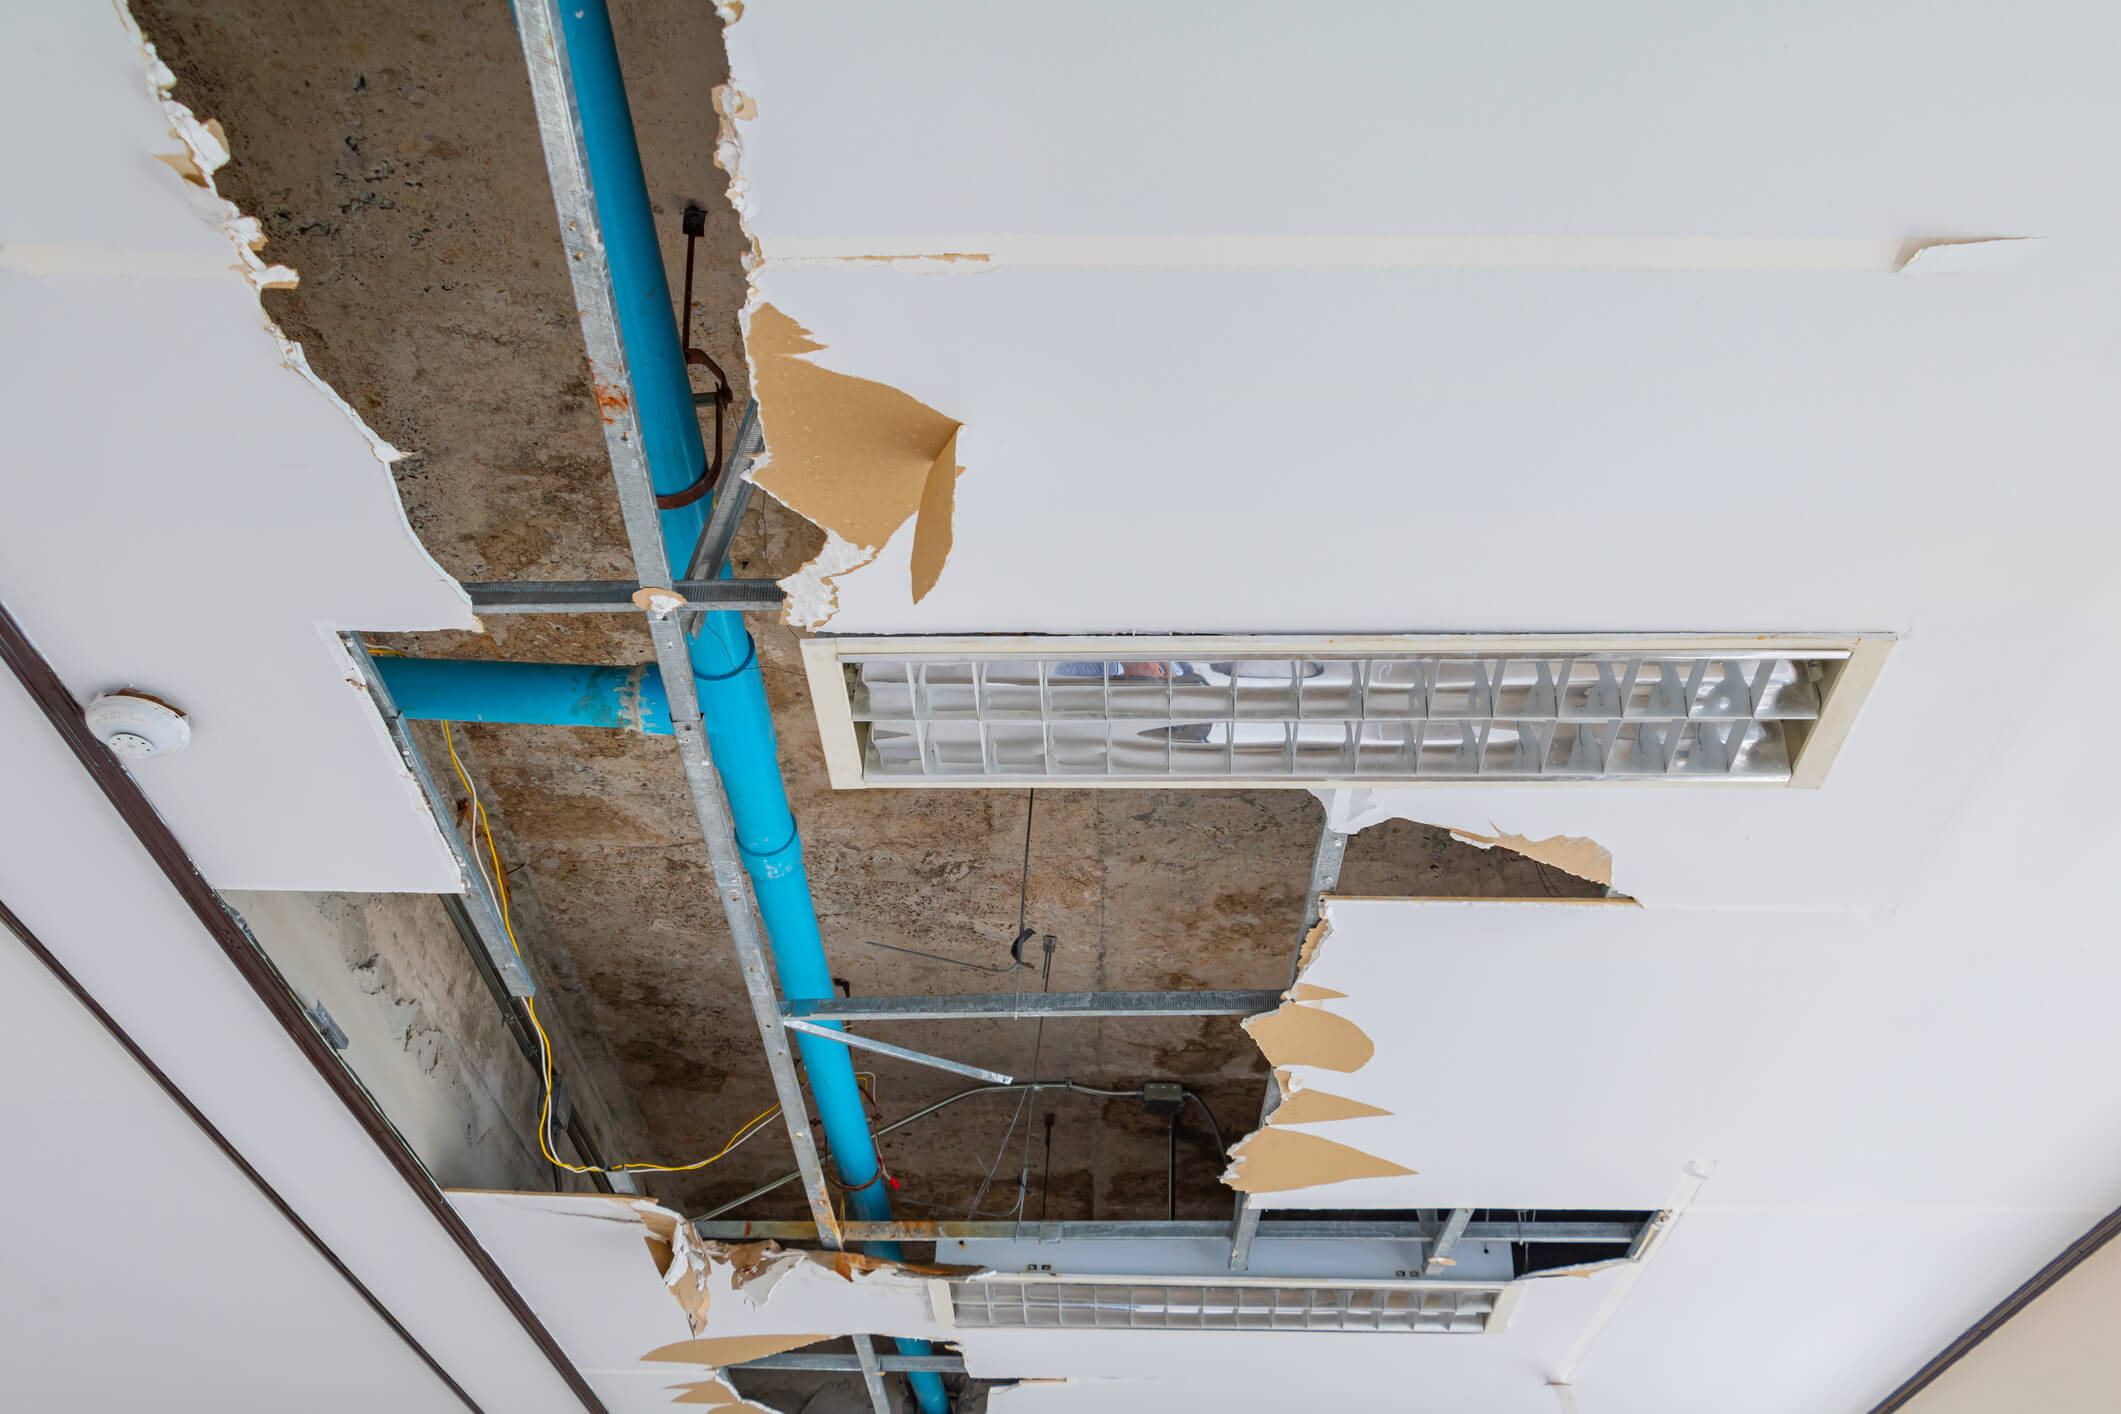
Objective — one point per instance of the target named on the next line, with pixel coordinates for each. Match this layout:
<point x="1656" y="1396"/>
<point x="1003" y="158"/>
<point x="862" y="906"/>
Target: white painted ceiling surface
<point x="1901" y="1119"/>
<point x="183" y="511"/>
<point x="1807" y="119"/>
<point x="141" y="1267"/>
<point x="1879" y="1009"/>
<point x="1287" y="448"/>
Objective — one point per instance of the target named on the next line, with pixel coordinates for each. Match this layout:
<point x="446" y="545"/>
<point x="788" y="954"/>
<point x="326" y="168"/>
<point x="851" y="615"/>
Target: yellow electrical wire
<point x="500" y="888"/>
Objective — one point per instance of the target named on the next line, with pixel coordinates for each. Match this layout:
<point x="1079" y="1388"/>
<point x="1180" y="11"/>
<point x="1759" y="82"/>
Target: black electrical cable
<point x="1023" y="887"/>
<point x="1221" y="1149"/>
<point x="695" y="227"/>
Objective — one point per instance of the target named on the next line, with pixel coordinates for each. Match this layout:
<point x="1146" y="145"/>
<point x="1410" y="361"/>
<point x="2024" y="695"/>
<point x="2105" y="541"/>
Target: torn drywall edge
<point x="1300" y="1104"/>
<point x="1581" y="1269"/>
<point x="1307" y="951"/>
<point x="1572" y="854"/>
<point x="1306" y="1033"/>
<point x="720" y="1352"/>
<point x="732" y="106"/>
<point x="1353" y="810"/>
<point x="813" y="593"/>
<point x="1966" y="254"/>
<point x="931" y="523"/>
<point x="205" y="151"/>
<point x="1303" y="1031"/>
<point x="680" y="1257"/>
<point x="716" y="1392"/>
<point x="857" y="457"/>
<point x="379" y="731"/>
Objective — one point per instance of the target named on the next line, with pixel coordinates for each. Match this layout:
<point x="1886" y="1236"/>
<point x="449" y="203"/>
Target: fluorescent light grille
<point x="1588" y="716"/>
<point x="1065" y="1303"/>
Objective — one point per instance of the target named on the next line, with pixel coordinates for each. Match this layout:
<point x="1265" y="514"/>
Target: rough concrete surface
<point x="420" y="1029"/>
<point x="390" y="151"/>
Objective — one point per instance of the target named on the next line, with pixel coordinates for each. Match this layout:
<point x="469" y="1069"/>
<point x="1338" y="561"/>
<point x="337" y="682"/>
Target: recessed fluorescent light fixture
<point x="1346" y="711"/>
<point x="1039" y="1302"/>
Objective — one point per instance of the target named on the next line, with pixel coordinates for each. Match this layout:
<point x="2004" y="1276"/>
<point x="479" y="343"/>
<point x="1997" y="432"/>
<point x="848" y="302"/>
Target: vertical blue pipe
<point x="724" y="659"/>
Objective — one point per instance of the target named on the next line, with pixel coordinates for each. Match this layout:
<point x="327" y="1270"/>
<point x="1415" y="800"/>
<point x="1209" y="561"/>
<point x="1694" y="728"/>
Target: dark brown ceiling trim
<point x="192" y="1112"/>
<point x="133" y="806"/>
<point x="1999" y="1315"/>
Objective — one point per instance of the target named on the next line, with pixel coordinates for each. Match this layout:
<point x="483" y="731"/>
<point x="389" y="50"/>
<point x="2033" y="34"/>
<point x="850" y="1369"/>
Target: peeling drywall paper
<point x="1320" y="1107"/>
<point x="1305" y="1033"/>
<point x="855" y="456"/>
<point x="679" y="1257"/>
<point x="724" y="1351"/>
<point x="931" y="527"/>
<point x="1572" y="854"/>
<point x="1312" y="992"/>
<point x="706" y="1392"/>
<point x="1274" y="1160"/>
<point x="1953" y="257"/>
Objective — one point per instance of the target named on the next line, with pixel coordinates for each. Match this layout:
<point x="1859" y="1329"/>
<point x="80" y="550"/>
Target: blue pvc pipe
<point x="554" y="694"/>
<point x="725" y="664"/>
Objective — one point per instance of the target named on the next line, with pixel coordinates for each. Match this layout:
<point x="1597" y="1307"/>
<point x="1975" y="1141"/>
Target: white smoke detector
<point x="136" y="726"/>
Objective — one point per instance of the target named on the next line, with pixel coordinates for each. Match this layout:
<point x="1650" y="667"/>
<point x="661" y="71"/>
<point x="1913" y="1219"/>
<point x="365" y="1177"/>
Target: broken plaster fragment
<point x="660" y="603"/>
<point x="857" y="457"/>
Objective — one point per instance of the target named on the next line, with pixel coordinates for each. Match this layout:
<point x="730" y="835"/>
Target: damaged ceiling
<point x="1748" y="369"/>
<point x="392" y="159"/>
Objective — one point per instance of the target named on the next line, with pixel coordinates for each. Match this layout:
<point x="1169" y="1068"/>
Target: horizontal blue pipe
<point x="550" y="694"/>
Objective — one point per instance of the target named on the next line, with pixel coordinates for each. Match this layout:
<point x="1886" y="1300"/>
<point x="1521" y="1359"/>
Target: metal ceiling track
<point x="1051" y="1006"/>
<point x="545" y="27"/>
<point x="567" y="165"/>
<point x="1351" y="1229"/>
<point x="615" y="596"/>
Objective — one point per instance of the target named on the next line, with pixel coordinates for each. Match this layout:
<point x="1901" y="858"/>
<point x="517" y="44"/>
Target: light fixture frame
<point x="827" y="661"/>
